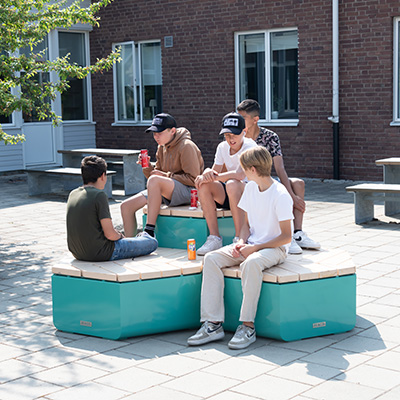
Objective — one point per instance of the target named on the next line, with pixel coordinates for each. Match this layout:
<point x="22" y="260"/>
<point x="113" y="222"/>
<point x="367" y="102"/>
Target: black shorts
<point x="225" y="205"/>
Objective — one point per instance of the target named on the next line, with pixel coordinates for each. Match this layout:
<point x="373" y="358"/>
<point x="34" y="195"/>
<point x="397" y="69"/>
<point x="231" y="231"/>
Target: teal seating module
<point x="175" y="225"/>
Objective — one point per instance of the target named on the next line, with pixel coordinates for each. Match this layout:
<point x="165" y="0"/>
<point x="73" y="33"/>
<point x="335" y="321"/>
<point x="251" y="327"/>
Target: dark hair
<point x="249" y="106"/>
<point x="92" y="168"/>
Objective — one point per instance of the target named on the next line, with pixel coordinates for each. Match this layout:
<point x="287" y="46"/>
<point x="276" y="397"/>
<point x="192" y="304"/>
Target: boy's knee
<point x="298" y="185"/>
<point x="234" y="188"/>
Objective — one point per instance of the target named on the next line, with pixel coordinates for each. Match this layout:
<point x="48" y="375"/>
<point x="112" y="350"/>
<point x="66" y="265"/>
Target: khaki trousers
<point x="212" y="291"/>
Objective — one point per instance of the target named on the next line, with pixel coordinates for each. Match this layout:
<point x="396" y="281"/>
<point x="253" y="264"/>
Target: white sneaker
<point x="212" y="243"/>
<point x="294" y="248"/>
<point x="305" y="242"/>
<point x="244" y="337"/>
<point x="208" y="332"/>
<point x="235" y="239"/>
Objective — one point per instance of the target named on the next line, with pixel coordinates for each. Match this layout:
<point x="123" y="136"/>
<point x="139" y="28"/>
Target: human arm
<point x="209" y="175"/>
<point x="109" y="231"/>
<point x="243" y="236"/>
<point x="283" y="238"/>
<point x="238" y="174"/>
<point x="298" y="202"/>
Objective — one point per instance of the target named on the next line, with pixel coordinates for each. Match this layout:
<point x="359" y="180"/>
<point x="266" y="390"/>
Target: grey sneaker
<point x="208" y="332"/>
<point x="243" y="337"/>
<point x="212" y="243"/>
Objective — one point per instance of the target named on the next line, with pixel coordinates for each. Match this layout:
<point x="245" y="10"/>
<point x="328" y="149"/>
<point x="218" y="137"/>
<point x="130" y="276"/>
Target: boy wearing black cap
<point x="178" y="162"/>
<point x="223" y="189"/>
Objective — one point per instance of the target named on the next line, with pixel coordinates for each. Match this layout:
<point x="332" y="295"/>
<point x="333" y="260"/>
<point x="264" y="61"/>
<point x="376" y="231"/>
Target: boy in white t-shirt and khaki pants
<point x="263" y="242"/>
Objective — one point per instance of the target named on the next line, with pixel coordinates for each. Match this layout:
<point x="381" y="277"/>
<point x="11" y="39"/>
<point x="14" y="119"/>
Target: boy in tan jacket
<point x="178" y="163"/>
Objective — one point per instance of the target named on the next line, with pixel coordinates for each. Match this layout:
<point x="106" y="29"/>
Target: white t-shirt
<point x="265" y="210"/>
<point x="231" y="162"/>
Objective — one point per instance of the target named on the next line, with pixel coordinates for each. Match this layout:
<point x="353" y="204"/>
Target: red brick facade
<point x="199" y="76"/>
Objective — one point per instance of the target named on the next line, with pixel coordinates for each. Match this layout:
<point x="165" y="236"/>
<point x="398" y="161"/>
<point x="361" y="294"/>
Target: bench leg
<point x="108" y="187"/>
<point x="391" y="174"/>
<point x="134" y="180"/>
<point x="38" y="184"/>
<point x="364" y="207"/>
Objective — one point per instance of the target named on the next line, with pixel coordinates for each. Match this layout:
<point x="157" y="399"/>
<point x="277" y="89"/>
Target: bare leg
<point x="209" y="193"/>
<point x="234" y="189"/>
<point x="157" y="187"/>
<point x="128" y="213"/>
<point x="298" y="187"/>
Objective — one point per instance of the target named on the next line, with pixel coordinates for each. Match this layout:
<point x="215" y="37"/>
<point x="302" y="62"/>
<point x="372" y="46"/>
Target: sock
<point x="149" y="228"/>
<point x="297" y="230"/>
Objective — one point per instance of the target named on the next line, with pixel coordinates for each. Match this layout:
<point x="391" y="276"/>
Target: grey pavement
<point x="37" y="361"/>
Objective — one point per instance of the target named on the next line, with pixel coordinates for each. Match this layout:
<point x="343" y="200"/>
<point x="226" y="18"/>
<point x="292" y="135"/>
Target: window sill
<point x="294" y="122"/>
<point x="142" y="123"/>
<point x="395" y="123"/>
<point x="78" y="122"/>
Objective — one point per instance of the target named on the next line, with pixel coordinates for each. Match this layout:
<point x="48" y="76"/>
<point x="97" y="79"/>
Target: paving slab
<point x="37" y="361"/>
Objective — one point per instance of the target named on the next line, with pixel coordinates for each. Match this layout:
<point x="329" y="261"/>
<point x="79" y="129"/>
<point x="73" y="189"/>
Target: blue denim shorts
<point x="132" y="247"/>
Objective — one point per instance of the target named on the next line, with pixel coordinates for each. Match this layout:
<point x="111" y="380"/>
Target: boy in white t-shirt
<point x="263" y="242"/>
<point x="224" y="189"/>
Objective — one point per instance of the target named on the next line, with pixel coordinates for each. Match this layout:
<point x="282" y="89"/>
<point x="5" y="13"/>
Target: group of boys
<point x="267" y="214"/>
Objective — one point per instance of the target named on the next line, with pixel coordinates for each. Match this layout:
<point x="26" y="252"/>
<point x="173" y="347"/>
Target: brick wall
<point x="199" y="81"/>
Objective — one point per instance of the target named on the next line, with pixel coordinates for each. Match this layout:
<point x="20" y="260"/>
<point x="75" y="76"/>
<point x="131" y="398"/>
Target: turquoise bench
<point x="309" y="295"/>
<point x="177" y="224"/>
<point x="124" y="298"/>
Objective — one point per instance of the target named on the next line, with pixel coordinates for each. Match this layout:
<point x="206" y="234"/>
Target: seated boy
<point x="263" y="242"/>
<point x="223" y="189"/>
<point x="250" y="110"/>
<point x="178" y="162"/>
<point x="90" y="233"/>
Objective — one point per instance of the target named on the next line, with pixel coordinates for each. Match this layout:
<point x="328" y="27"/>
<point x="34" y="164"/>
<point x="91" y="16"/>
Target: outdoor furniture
<point x="41" y="181"/>
<point x="123" y="298"/>
<point x="391" y="175"/>
<point x="366" y="193"/>
<point x="175" y="225"/>
<point x="312" y="294"/>
<point x="133" y="179"/>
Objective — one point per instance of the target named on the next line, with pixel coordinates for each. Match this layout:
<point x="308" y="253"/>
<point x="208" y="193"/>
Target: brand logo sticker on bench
<point x="86" y="323"/>
<point x="319" y="324"/>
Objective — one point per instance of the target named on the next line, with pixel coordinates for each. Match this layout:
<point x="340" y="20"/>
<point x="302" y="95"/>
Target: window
<point x="74" y="101"/>
<point x="138" y="82"/>
<point x="396" y="72"/>
<point x="267" y="71"/>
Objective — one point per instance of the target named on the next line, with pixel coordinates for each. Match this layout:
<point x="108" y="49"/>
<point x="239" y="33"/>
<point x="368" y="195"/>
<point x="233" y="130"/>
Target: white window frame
<point x="136" y="63"/>
<point x="85" y="32"/>
<point x="396" y="77"/>
<point x="267" y="33"/>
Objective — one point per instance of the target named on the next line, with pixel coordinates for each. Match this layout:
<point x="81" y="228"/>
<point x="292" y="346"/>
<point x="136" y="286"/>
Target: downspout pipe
<point x="335" y="87"/>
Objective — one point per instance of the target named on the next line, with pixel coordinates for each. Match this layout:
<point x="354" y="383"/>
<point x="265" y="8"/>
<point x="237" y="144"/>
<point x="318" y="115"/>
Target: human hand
<point x="139" y="161"/>
<point x="209" y="175"/>
<point x="247" y="249"/>
<point x="236" y="249"/>
<point x="299" y="203"/>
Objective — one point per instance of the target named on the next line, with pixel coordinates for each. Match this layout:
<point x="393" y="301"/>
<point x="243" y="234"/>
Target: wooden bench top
<point x="374" y="188"/>
<point x="102" y="152"/>
<point x="63" y="171"/>
<point x="165" y="262"/>
<point x="388" y="161"/>
<point x="183" y="211"/>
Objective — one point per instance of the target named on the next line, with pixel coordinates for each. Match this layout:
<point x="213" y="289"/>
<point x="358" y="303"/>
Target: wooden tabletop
<point x="102" y="152"/>
<point x="388" y="161"/>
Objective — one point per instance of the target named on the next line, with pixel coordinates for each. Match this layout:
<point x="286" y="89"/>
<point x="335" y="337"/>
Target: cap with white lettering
<point x="233" y="123"/>
<point x="161" y="122"/>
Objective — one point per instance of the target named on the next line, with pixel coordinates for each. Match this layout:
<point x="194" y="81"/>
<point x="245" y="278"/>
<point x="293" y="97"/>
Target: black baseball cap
<point x="161" y="122"/>
<point x="233" y="123"/>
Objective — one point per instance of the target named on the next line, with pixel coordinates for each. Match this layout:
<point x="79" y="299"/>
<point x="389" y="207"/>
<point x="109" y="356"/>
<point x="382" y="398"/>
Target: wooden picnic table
<point x="391" y="175"/>
<point x="133" y="178"/>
